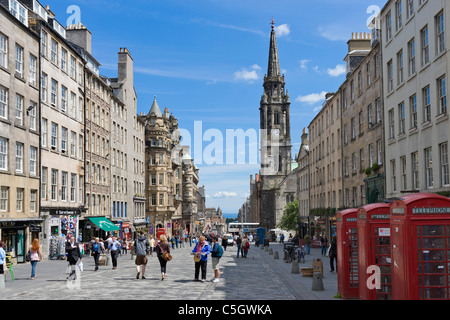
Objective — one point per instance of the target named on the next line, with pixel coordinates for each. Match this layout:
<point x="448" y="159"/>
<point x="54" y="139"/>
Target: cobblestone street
<point x="257" y="277"/>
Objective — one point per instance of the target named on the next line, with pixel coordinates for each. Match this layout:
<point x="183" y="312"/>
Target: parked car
<point x="230" y="239"/>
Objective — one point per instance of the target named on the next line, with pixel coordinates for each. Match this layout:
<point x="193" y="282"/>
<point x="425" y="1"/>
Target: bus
<point x="243" y="228"/>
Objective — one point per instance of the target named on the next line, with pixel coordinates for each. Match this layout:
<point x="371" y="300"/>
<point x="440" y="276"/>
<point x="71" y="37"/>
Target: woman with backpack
<point x="162" y="247"/>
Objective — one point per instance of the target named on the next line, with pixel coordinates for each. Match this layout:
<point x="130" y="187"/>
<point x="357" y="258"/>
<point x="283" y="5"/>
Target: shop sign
<point x="398" y="210"/>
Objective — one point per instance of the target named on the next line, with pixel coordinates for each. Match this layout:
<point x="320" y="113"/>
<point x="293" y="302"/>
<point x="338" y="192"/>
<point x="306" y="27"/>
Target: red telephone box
<point x="374" y="249"/>
<point x="420" y="240"/>
<point x="159" y="232"/>
<point x="347" y="253"/>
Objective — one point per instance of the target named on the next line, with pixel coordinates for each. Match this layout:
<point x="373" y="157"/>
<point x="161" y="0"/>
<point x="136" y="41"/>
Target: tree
<point x="290" y="219"/>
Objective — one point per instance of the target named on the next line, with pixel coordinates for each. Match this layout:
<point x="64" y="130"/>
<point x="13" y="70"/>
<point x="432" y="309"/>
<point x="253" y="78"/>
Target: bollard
<point x="276" y="256"/>
<point x="266" y="249"/>
<point x="108" y="260"/>
<point x="262" y="247"/>
<point x="295" y="267"/>
<point x="270" y="251"/>
<point x="317" y="284"/>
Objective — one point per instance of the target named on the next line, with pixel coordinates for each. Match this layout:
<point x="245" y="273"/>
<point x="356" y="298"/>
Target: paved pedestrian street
<point x="257" y="277"/>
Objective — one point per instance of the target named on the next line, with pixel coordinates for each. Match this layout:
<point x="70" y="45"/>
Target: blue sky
<point x="205" y="60"/>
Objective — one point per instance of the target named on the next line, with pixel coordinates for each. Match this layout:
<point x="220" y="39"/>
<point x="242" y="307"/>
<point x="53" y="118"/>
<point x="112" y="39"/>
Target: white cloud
<point x="249" y="75"/>
<point x="312" y="98"/>
<point x="304" y="64"/>
<point x="334" y="32"/>
<point x="282" y="30"/>
<point x="337" y="71"/>
<point x="225" y="194"/>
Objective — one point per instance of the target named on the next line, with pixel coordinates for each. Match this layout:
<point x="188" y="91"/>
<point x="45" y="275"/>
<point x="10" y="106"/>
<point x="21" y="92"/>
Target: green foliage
<point x="375" y="167"/>
<point x="368" y="171"/>
<point x="290" y="219"/>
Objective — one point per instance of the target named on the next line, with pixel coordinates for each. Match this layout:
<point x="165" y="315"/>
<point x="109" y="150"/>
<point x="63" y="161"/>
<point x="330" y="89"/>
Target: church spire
<point x="274" y="63"/>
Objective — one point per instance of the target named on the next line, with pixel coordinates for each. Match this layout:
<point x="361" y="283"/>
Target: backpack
<point x="220" y="252"/>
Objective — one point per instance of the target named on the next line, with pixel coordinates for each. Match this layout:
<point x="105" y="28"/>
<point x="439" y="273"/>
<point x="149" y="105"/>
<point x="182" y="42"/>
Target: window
<point x="19" y="109"/>
<point x="445" y="175"/>
<point x="63" y="99"/>
<point x="19" y="157"/>
<point x="401" y="117"/>
<point x="390" y="73"/>
<point x="44" y="178"/>
<point x="33" y="196"/>
<point x="80" y="189"/>
<point x="3" y="154"/>
<point x="73" y="67"/>
<point x="64" y="59"/>
<point x="54" y="136"/>
<point x="378" y="110"/>
<point x="44" y="86"/>
<point x="391" y="124"/>
<point x="54" y="182"/>
<point x="33" y="70"/>
<point x="63" y="139"/>
<point x="409" y="8"/>
<point x="4" y="203"/>
<point x="429" y="168"/>
<point x="19" y="200"/>
<point x="19" y="61"/>
<point x="368" y="74"/>
<point x="54" y="97"/>
<point x="153" y="199"/>
<point x="64" y="186"/>
<point x="73" y="143"/>
<point x="400" y="78"/>
<point x="73" y="187"/>
<point x="388" y="26"/>
<point x="440" y="33"/>
<point x="353" y="128"/>
<point x="415" y="170"/>
<point x="80" y="147"/>
<point x="33" y="155"/>
<point x="73" y="104"/>
<point x="361" y="160"/>
<point x="442" y="94"/>
<point x="426" y="104"/>
<point x="413" y="111"/>
<point x="398" y="15"/>
<point x="44" y="40"/>
<point x="412" y="57"/>
<point x="370" y="155"/>
<point x="54" y="52"/>
<point x="44" y="136"/>
<point x="403" y="172"/>
<point x="379" y="153"/>
<point x="354" y="163"/>
<point x="32" y="114"/>
<point x="3" y="51"/>
<point x="425" y="46"/>
<point x="393" y="176"/>
<point x="3" y="103"/>
<point x="161" y="199"/>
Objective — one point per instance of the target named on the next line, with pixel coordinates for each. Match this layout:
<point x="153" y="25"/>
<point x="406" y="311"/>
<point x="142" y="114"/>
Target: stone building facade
<point x="19" y="131"/>
<point x="415" y="66"/>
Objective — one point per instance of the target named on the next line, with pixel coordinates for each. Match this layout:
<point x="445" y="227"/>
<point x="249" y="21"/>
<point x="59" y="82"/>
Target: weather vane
<point x="273" y="23"/>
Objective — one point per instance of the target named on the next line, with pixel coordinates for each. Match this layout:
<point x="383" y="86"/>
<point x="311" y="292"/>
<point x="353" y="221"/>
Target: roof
<point x="410" y="198"/>
<point x="374" y="206"/>
<point x="155" y="109"/>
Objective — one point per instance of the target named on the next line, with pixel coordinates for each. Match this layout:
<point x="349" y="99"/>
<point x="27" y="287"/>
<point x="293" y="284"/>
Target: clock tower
<point x="275" y="152"/>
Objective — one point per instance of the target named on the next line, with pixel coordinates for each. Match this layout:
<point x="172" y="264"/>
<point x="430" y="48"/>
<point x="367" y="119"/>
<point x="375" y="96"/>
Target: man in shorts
<point x="216" y="254"/>
<point x="141" y="248"/>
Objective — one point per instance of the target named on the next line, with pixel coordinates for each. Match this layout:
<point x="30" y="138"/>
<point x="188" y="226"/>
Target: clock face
<point x="276" y="132"/>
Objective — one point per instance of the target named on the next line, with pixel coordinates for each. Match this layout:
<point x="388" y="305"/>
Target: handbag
<point x="28" y="256"/>
<point x="197" y="258"/>
<point x="167" y="256"/>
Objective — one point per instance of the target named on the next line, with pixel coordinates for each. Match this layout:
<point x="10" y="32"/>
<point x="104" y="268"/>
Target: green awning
<point x="104" y="224"/>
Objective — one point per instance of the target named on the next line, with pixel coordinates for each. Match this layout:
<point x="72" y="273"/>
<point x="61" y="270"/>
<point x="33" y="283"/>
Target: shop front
<point x="17" y="235"/>
<point x="420" y="236"/>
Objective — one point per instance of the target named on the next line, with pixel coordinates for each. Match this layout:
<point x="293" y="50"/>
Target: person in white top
<point x="36" y="256"/>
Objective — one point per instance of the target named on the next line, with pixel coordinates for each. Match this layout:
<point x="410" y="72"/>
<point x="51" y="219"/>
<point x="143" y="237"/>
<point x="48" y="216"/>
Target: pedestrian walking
<point x="200" y="252"/>
<point x="35" y="255"/>
<point x="324" y="244"/>
<point x="172" y="240"/>
<point x="333" y="254"/>
<point x="224" y="243"/>
<point x="245" y="245"/>
<point x="152" y="245"/>
<point x="2" y="257"/>
<point x="238" y="244"/>
<point x="73" y="255"/>
<point x="97" y="248"/>
<point x="216" y="254"/>
<point x="114" y="249"/>
<point x="161" y="248"/>
<point x="124" y="246"/>
<point x="141" y="248"/>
